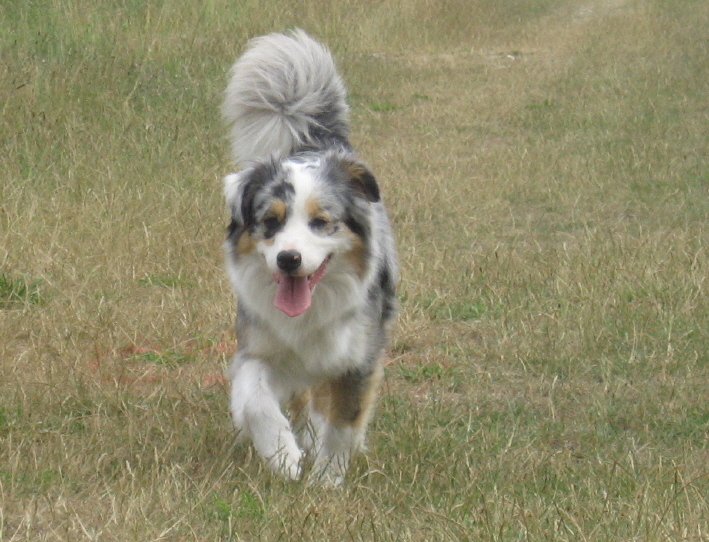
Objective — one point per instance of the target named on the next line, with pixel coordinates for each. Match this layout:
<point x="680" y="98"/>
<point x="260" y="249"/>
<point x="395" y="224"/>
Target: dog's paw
<point x="287" y="464"/>
<point x="328" y="472"/>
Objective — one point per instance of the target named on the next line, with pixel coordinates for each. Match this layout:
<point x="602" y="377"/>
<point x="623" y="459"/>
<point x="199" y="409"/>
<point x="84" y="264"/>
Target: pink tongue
<point x="293" y="295"/>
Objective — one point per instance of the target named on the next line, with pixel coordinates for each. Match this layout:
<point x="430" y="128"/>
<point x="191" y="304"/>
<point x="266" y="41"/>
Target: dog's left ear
<point x="361" y="180"/>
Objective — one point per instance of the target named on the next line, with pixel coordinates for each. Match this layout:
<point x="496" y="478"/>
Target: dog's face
<point x="299" y="215"/>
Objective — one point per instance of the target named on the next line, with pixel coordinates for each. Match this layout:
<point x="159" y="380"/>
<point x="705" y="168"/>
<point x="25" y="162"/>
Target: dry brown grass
<point x="546" y="167"/>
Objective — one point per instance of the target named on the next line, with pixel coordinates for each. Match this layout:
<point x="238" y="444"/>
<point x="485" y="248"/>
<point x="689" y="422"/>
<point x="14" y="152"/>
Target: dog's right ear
<point x="233" y="186"/>
<point x="240" y="190"/>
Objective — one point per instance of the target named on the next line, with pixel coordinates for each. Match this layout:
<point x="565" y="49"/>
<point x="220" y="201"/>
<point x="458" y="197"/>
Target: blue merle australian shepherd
<point x="311" y="257"/>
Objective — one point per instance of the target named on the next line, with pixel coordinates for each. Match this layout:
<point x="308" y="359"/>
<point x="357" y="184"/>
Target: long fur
<point x="284" y="94"/>
<point x="311" y="258"/>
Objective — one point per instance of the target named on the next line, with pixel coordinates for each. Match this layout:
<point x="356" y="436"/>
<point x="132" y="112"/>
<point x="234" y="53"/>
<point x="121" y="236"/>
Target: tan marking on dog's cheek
<point x="245" y="243"/>
<point x="357" y="254"/>
<point x="278" y="209"/>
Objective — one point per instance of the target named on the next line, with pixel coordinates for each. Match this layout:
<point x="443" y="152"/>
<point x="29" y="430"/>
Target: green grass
<point x="19" y="291"/>
<point x="170" y="358"/>
<point x="547" y="170"/>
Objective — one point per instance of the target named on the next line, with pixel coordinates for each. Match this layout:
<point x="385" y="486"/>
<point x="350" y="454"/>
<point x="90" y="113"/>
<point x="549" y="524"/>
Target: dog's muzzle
<point x="294" y="292"/>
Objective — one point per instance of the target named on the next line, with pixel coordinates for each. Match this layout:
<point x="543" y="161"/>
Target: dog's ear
<point x="233" y="183"/>
<point x="240" y="190"/>
<point x="361" y="180"/>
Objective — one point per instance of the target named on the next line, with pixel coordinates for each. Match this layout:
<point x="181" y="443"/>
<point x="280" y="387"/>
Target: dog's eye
<point x="318" y="223"/>
<point x="271" y="223"/>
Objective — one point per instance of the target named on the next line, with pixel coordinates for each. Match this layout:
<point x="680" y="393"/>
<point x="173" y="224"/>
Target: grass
<point x="547" y="170"/>
<point x="19" y="290"/>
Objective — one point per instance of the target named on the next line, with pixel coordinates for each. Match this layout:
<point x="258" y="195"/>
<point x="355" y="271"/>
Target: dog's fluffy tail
<point x="284" y="95"/>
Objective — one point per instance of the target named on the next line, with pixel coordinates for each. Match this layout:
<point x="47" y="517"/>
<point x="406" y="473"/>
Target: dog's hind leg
<point x="342" y="409"/>
<point x="255" y="408"/>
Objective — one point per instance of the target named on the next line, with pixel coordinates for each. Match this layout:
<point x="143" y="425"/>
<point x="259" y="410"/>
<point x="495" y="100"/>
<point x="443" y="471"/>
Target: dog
<point x="311" y="258"/>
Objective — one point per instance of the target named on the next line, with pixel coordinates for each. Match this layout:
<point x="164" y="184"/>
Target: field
<point x="546" y="166"/>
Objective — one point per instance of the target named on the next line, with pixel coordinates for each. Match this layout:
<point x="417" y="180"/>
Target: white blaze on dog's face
<point x="299" y="215"/>
<point x="300" y="250"/>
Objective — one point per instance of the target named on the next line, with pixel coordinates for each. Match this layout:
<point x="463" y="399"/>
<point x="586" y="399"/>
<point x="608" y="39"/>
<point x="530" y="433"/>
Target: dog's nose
<point x="288" y="260"/>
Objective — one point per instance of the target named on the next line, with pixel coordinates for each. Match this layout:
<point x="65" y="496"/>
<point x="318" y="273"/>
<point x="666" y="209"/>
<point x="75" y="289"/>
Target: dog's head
<point x="299" y="215"/>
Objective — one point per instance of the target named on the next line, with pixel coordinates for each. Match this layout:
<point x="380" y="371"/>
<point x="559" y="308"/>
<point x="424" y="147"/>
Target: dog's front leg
<point x="256" y="410"/>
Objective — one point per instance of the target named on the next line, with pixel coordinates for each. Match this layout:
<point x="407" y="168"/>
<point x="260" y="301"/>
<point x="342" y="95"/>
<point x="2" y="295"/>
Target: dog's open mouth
<point x="294" y="294"/>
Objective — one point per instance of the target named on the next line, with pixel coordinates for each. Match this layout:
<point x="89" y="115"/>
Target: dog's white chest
<point x="319" y="353"/>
